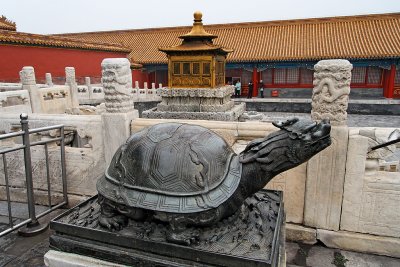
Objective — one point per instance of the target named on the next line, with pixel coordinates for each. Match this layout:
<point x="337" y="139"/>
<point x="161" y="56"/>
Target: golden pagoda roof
<point x="351" y="37"/>
<point x="197" y="40"/>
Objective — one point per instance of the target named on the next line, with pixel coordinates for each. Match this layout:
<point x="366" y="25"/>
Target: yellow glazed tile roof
<point x="13" y="37"/>
<point x="6" y="24"/>
<point x="350" y="37"/>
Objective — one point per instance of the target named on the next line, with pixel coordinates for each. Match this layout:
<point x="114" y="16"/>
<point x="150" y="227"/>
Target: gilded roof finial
<point x="198" y="29"/>
<point x="197" y="16"/>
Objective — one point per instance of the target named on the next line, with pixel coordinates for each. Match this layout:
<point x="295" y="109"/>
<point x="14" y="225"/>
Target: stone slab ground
<point x="16" y="250"/>
<point x="319" y="256"/>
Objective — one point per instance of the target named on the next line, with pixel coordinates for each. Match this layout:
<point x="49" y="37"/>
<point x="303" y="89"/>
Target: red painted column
<point x="390" y="88"/>
<point x="255" y="82"/>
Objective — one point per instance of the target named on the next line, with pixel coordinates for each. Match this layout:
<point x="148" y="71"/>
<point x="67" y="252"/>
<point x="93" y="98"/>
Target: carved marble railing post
<point x="326" y="171"/>
<point x="117" y="85"/>
<point x="143" y="91"/>
<point x="28" y="80"/>
<point x="49" y="80"/>
<point x="89" y="86"/>
<point x="71" y="82"/>
<point x="331" y="90"/>
<point x="136" y="84"/>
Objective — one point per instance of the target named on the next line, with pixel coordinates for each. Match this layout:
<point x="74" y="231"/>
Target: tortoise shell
<point x="172" y="167"/>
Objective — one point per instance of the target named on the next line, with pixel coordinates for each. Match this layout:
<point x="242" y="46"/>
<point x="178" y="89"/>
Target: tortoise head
<point x="296" y="142"/>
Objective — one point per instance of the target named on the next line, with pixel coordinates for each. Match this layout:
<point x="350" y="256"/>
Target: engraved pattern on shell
<point x="175" y="158"/>
<point x="172" y="167"/>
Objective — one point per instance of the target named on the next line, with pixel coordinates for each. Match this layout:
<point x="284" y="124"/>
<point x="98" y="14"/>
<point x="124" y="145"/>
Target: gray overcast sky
<point x="55" y="16"/>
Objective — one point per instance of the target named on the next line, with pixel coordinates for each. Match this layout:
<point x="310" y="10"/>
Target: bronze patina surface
<point x="250" y="237"/>
<point x="186" y="175"/>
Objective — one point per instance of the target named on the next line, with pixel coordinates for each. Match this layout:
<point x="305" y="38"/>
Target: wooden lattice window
<point x="366" y="76"/>
<point x="292" y="76"/>
<point x="266" y="76"/>
<point x="186" y="68"/>
<point x="246" y="77"/>
<point x="280" y="76"/>
<point x="196" y="68"/>
<point x="177" y="68"/>
<point x="220" y="68"/>
<point x="306" y="76"/>
<point x="206" y="68"/>
<point x="374" y="75"/>
<point x="358" y="75"/>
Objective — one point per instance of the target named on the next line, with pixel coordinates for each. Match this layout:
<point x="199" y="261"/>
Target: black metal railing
<point x="31" y="226"/>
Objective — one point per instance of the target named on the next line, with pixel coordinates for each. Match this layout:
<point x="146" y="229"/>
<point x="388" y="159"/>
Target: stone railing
<point x="17" y="86"/>
<point x="15" y="101"/>
<point x="145" y="93"/>
<point x="90" y="95"/>
<point x="84" y="156"/>
<point x="94" y="94"/>
<point x="28" y="96"/>
<point x="51" y="98"/>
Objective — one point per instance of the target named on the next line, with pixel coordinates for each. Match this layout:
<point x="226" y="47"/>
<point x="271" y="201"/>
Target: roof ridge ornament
<point x="9" y="24"/>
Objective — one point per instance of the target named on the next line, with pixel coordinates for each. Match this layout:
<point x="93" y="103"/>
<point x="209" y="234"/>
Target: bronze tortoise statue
<point x="186" y="174"/>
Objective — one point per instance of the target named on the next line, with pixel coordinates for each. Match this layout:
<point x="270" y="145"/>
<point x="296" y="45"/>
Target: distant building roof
<point x="13" y="37"/>
<point x="6" y="24"/>
<point x="350" y="37"/>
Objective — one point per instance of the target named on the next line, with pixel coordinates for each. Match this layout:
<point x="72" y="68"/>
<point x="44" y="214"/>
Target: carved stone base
<point x="230" y="115"/>
<point x="254" y="236"/>
<point x="196" y="104"/>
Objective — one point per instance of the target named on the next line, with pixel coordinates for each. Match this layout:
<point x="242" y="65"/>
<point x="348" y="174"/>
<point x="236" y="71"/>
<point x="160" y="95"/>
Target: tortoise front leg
<point x="109" y="216"/>
<point x="179" y="232"/>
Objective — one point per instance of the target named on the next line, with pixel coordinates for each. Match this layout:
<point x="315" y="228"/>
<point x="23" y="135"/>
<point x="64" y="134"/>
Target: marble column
<point x="71" y="82"/>
<point x="117" y="84"/>
<point x="28" y="80"/>
<point x="326" y="170"/>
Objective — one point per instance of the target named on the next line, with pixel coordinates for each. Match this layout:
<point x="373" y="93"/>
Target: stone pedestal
<point x="117" y="84"/>
<point x="63" y="259"/>
<point x="70" y="80"/>
<point x="196" y="103"/>
<point x="49" y="80"/>
<point x="326" y="171"/>
<point x="371" y="197"/>
<point x="116" y="129"/>
<point x="292" y="182"/>
<point x="253" y="237"/>
<point x="364" y="243"/>
<point x="325" y="181"/>
<point x="28" y="80"/>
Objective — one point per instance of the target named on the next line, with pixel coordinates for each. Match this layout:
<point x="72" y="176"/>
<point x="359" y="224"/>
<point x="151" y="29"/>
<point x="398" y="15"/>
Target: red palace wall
<point x="141" y="77"/>
<point x="87" y="63"/>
